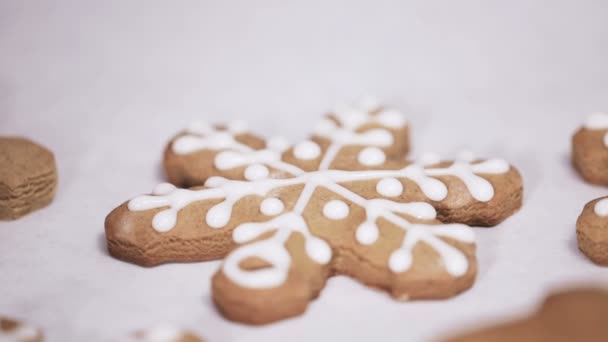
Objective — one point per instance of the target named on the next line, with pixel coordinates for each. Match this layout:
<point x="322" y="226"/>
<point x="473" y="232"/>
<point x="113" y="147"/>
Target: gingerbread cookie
<point x="287" y="218"/>
<point x="590" y="149"/>
<point x="28" y="177"/>
<point x="162" y="334"/>
<point x="592" y="231"/>
<point x="590" y="157"/>
<point x="15" y="331"/>
<point x="576" y="315"/>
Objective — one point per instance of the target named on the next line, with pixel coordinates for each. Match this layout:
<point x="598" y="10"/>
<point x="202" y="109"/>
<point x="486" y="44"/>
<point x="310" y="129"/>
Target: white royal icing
<point x="601" y="207"/>
<point x="371" y="156"/>
<point x="234" y="154"/>
<point x="307" y="150"/>
<point x="256" y="171"/>
<point x="389" y="187"/>
<point x="272" y="206"/>
<point x="336" y="210"/>
<point x="598" y="121"/>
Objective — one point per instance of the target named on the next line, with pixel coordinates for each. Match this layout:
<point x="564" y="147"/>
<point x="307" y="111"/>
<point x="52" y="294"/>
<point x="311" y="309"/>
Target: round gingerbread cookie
<point x="590" y="158"/>
<point x="28" y="177"/>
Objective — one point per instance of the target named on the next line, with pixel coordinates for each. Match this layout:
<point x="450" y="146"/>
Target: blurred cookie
<point x="28" y="177"/>
<point x="576" y="315"/>
<point x="15" y="331"/>
<point x="161" y="334"/>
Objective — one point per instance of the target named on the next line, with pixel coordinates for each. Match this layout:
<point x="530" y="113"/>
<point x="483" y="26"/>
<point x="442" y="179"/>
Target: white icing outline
<point x="273" y="250"/>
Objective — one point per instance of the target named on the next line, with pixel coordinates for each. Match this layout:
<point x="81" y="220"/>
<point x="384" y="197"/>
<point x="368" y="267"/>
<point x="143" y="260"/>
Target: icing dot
<point x="391" y="118"/>
<point x="164" y="221"/>
<point x="271" y="206"/>
<point x="256" y="171"/>
<point x="219" y="215"/>
<point x="601" y="208"/>
<point x="367" y="233"/>
<point x="335" y="210"/>
<point x="371" y="156"/>
<point x="279" y="144"/>
<point x="307" y="150"/>
<point x="163" y="189"/>
<point x="389" y="187"/>
<point x="318" y="250"/>
<point x="400" y="261"/>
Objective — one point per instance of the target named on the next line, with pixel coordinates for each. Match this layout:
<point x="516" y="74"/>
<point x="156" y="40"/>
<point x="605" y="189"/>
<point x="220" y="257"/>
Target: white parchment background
<point x="104" y="84"/>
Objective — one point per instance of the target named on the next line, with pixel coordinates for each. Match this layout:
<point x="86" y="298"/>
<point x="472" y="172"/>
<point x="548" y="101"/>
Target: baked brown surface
<point x="592" y="233"/>
<point x="590" y="158"/>
<point x="442" y="261"/>
<point x="12" y="330"/>
<point x="28" y="177"/>
<point x="590" y="155"/>
<point x="574" y="315"/>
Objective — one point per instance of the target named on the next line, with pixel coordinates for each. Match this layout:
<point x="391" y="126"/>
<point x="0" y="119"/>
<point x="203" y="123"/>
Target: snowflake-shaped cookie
<point x="286" y="218"/>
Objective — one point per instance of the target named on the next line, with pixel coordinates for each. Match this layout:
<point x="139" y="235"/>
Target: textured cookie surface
<point x="590" y="157"/>
<point x="576" y="315"/>
<point x="590" y="149"/>
<point x="592" y="231"/>
<point x="28" y="177"/>
<point x="161" y="334"/>
<point x="15" y="331"/>
<point x="285" y="218"/>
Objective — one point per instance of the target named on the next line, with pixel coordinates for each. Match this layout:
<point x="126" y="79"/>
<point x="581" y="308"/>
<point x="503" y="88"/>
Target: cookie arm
<point x="255" y="303"/>
<point x="479" y="193"/>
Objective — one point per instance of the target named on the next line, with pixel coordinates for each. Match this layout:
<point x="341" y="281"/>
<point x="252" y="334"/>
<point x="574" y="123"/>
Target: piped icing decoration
<point x="336" y="210"/>
<point x="598" y="121"/>
<point x="307" y="150"/>
<point x="389" y="187"/>
<point x="272" y="206"/>
<point x="284" y="221"/>
<point x="601" y="208"/>
<point x="371" y="156"/>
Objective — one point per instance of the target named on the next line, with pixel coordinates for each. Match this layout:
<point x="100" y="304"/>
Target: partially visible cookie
<point x="162" y="334"/>
<point x="590" y="149"/>
<point x="575" y="315"/>
<point x="15" y="331"/>
<point x="592" y="231"/>
<point x="28" y="177"/>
